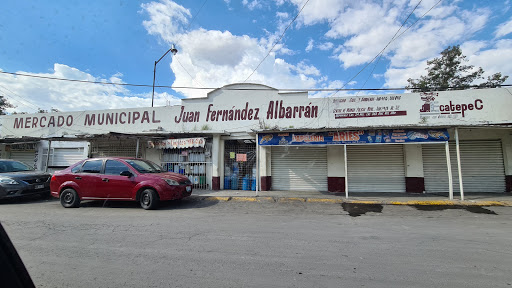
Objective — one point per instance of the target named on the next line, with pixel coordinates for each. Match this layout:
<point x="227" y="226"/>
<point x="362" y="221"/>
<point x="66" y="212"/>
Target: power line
<point x="238" y="89"/>
<point x="22" y="99"/>
<point x="388" y="45"/>
<point x="279" y="40"/>
<point x="392" y="39"/>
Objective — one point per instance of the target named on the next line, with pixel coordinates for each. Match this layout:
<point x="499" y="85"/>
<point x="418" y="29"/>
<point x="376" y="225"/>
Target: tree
<point x="448" y="72"/>
<point x="4" y="104"/>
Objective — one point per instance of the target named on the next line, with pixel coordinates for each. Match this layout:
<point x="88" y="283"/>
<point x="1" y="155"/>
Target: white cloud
<point x="305" y="69"/>
<point x="364" y="28"/>
<point x="473" y="47"/>
<point x="310" y="45"/>
<point x="504" y="29"/>
<point x="495" y="59"/>
<point x="252" y="5"/>
<point x="24" y="92"/>
<point x="215" y="58"/>
<point x="325" y="46"/>
<point x="167" y="19"/>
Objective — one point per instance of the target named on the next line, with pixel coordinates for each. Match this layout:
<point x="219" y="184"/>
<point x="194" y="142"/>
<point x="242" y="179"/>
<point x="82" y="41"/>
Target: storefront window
<point x="240" y="165"/>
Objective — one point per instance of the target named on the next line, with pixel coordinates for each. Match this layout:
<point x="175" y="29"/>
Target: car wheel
<point x="149" y="199"/>
<point x="69" y="198"/>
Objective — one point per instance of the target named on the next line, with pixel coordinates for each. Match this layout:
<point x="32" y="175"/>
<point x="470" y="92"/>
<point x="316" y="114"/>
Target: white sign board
<point x="250" y="107"/>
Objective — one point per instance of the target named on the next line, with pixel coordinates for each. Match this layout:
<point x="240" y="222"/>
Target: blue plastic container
<point x="227" y="182"/>
<point x="253" y="184"/>
<point x="245" y="183"/>
<point x="234" y="182"/>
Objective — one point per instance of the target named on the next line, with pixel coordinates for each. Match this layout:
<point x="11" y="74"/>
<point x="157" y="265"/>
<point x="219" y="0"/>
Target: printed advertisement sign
<point x="355" y="137"/>
<point x="177" y="143"/>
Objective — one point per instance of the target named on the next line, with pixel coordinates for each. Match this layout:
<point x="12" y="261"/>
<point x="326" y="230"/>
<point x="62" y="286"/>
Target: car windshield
<point x="144" y="166"/>
<point x="13" y="166"/>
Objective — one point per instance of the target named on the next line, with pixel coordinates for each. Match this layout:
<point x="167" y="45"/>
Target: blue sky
<point x="221" y="42"/>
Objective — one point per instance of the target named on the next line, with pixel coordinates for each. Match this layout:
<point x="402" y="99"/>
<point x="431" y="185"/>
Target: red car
<point x="115" y="178"/>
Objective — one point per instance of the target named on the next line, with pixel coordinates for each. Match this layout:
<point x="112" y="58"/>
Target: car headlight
<point x="7" y="180"/>
<point x="172" y="182"/>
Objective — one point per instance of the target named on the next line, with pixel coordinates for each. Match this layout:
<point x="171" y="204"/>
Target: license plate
<point x="39" y="187"/>
<point x="189" y="188"/>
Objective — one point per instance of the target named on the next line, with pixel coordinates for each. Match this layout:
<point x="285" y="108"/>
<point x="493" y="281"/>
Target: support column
<point x="265" y="172"/>
<point x="414" y="177"/>
<point x="335" y="168"/>
<point x="506" y="144"/>
<point x="216" y="154"/>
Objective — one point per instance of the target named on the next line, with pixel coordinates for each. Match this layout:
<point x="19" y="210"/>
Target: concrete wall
<point x="336" y="168"/>
<point x="265" y="168"/>
<point x="216" y="162"/>
<point x="414" y="177"/>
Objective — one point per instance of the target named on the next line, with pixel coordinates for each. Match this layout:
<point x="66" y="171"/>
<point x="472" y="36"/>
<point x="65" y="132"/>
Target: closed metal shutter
<point x="64" y="157"/>
<point x="27" y="157"/>
<point x="117" y="147"/>
<point x="298" y="168"/>
<point x="376" y="168"/>
<point x="481" y="162"/>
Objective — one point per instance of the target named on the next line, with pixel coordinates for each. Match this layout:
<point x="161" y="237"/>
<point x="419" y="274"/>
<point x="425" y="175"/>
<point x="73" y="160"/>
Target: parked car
<point x="116" y="178"/>
<point x="18" y="179"/>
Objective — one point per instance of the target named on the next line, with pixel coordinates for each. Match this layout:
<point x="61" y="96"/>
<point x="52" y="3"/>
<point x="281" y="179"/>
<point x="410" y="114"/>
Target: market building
<point x="254" y="137"/>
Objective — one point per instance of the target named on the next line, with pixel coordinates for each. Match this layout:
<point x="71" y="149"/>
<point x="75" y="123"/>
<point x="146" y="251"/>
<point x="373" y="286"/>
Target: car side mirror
<point x="126" y="173"/>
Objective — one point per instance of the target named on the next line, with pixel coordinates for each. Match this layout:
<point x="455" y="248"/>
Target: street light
<point x="174" y="51"/>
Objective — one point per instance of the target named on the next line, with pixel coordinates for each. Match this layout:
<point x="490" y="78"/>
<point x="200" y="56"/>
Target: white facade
<point x="240" y="112"/>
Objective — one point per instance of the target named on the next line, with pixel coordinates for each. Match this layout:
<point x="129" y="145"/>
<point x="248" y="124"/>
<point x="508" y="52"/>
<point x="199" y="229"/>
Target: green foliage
<point x="4" y="104"/>
<point x="448" y="72"/>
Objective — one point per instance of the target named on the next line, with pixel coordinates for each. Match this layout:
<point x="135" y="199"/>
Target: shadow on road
<point x="187" y="203"/>
<point x="355" y="209"/>
<point x="30" y="199"/>
<point x="472" y="209"/>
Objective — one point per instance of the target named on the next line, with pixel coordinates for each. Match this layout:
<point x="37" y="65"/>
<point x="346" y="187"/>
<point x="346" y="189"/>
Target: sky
<point x="331" y="44"/>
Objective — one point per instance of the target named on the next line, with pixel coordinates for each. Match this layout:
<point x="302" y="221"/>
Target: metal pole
<point x="449" y="165"/>
<point x="257" y="164"/>
<point x="459" y="167"/>
<point x="137" y="149"/>
<point x="48" y="155"/>
<point x="174" y="51"/>
<point x="154" y="76"/>
<point x="346" y="171"/>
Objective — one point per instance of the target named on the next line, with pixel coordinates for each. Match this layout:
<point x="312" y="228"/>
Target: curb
<point x="362" y="202"/>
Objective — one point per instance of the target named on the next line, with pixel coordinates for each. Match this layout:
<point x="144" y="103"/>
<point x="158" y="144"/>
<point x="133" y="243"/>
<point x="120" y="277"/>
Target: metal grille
<point x="240" y="165"/>
<point x="117" y="147"/>
<point x="195" y="163"/>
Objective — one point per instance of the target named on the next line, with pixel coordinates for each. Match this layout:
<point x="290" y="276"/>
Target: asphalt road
<point x="195" y="243"/>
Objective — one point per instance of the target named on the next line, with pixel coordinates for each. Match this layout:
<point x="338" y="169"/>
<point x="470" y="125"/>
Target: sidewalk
<point x="470" y="199"/>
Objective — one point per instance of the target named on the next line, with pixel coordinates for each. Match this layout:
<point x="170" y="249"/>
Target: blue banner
<point x="355" y="137"/>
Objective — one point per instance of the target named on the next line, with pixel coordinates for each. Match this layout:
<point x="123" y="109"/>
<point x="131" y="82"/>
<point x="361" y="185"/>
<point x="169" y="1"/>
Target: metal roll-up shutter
<point x="117" y="147"/>
<point x="27" y="157"/>
<point x="64" y="157"/>
<point x="481" y="162"/>
<point x="376" y="168"/>
<point x="297" y="168"/>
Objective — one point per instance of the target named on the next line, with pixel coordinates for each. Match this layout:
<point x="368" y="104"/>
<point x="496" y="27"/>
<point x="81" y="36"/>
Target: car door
<point x="113" y="185"/>
<point x="88" y="178"/>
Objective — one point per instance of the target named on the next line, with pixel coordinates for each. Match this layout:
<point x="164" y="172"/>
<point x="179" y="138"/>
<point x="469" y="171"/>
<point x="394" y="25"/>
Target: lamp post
<point x="174" y="51"/>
